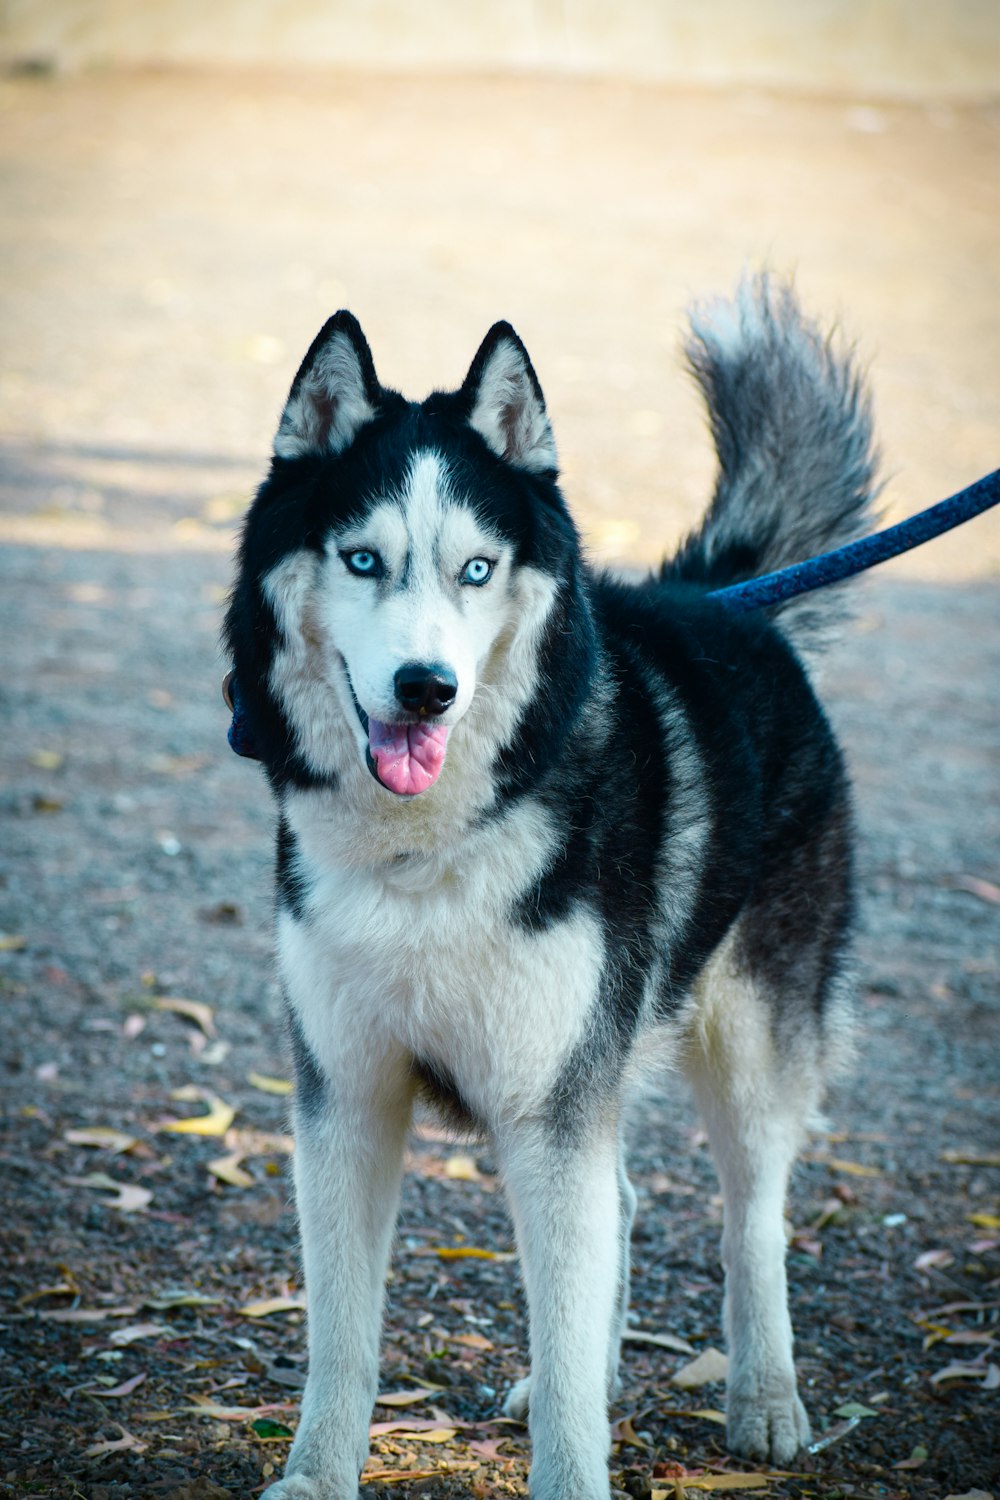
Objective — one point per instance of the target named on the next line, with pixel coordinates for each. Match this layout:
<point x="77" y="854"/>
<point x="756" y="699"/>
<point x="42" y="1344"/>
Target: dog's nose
<point x="423" y="687"/>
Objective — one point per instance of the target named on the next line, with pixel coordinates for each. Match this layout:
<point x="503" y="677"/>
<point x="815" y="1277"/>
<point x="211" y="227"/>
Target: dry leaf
<point x="727" y="1482"/>
<point x="984" y="1221"/>
<point x="270" y="1305"/>
<point x="118" y="1445"/>
<point x="197" y="1011"/>
<point x="103" y="1136"/>
<point x="130" y="1199"/>
<point x="704" y="1413"/>
<point x="125" y="1389"/>
<point x="120" y="1337"/>
<point x="933" y="1258"/>
<point x="218" y="1120"/>
<point x="710" y="1365"/>
<point x="969" y="1159"/>
<point x="469" y="1252"/>
<point x="46" y="760"/>
<point x="205" y="1406"/>
<point x="12" y="942"/>
<point x="84" y="1314"/>
<point x="228" y="1169"/>
<point x="853" y="1168"/>
<point x="986" y="890"/>
<point x="661" y="1340"/>
<point x="623" y="1431"/>
<point x="470" y="1340"/>
<point x="269" y="1085"/>
<point x="462" y="1169"/>
<point x="402" y="1398"/>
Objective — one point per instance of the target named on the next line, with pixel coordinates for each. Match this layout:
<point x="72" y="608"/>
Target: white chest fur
<point x="426" y="956"/>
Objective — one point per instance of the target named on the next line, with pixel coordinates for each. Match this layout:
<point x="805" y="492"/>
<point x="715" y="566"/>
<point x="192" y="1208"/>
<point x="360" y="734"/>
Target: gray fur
<point x="791" y="419"/>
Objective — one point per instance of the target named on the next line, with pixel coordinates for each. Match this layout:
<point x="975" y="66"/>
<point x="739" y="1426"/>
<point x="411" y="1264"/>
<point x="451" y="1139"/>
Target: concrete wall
<point x="939" y="49"/>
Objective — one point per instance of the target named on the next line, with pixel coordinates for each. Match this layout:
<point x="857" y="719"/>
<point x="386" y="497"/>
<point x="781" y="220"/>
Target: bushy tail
<point x="791" y="419"/>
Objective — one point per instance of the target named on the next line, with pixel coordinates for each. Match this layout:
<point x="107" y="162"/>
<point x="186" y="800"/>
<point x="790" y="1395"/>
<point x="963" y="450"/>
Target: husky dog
<point x="539" y="830"/>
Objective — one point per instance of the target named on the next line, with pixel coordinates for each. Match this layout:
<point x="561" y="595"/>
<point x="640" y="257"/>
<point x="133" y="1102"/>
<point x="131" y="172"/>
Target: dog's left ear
<point x="505" y="402"/>
<point x="335" y="392"/>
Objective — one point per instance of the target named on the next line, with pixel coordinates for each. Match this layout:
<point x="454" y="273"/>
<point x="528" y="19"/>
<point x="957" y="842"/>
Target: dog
<point x="542" y="831"/>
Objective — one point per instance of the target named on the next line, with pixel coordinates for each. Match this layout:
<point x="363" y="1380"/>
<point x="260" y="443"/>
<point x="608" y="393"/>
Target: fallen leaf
<point x="125" y="1389"/>
<point x="103" y="1136"/>
<point x="470" y="1252"/>
<point x="971" y="1495"/>
<point x="269" y="1305"/>
<point x="705" y="1413"/>
<point x="984" y="1221"/>
<point x="402" y="1398"/>
<point x="117" y="1445"/>
<point x="121" y="1337"/>
<point x="969" y="1159"/>
<point x="462" y="1169"/>
<point x="854" y="1409"/>
<point x="623" y="1431"/>
<point x="986" y="890"/>
<point x="11" y="942"/>
<point x="130" y="1199"/>
<point x="180" y="1297"/>
<point x="228" y="1169"/>
<point x="661" y="1340"/>
<point x="853" y="1168"/>
<point x="968" y="1370"/>
<point x="61" y="1289"/>
<point x="710" y="1365"/>
<point x="933" y="1259"/>
<point x="218" y="1120"/>
<point x="83" y="1314"/>
<point x="205" y="1406"/>
<point x="730" y="1481"/>
<point x="915" y="1460"/>
<point x="46" y="760"/>
<point x="269" y="1085"/>
<point x="197" y="1011"/>
<point x="470" y="1341"/>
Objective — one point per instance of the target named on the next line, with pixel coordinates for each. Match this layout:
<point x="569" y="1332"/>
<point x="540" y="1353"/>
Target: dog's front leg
<point x="564" y="1192"/>
<point x="350" y="1125"/>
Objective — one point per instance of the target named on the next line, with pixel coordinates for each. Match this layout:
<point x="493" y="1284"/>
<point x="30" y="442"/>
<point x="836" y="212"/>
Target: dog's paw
<point x="518" y="1400"/>
<point x="768" y="1423"/>
<point x="301" y="1487"/>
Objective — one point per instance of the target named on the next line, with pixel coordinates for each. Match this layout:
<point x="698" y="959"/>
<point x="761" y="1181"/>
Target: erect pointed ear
<point x="334" y="393"/>
<point x="506" y="405"/>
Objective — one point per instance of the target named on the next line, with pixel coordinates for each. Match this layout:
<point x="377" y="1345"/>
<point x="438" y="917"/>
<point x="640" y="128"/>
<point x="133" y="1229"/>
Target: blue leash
<point x="844" y="562"/>
<point x="774" y="588"/>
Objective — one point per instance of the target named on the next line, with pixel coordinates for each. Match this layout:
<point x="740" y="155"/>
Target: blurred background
<point x="189" y="191"/>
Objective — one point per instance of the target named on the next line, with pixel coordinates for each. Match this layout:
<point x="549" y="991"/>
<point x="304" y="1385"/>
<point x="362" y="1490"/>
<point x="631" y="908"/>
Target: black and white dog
<point x="540" y="831"/>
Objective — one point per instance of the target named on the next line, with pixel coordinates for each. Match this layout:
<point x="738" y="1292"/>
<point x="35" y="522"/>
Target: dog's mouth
<point x="404" y="758"/>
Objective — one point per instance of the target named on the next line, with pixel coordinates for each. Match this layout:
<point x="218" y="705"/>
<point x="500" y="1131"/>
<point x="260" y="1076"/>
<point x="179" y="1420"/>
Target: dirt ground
<point x="170" y="245"/>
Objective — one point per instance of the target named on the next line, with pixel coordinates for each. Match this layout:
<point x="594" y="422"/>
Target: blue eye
<point x="477" y="571"/>
<point x="362" y="562"/>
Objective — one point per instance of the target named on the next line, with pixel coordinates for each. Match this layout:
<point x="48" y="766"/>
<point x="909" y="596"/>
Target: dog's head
<point x="399" y="565"/>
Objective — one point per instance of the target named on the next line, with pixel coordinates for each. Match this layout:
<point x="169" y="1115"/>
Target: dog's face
<point x="418" y="572"/>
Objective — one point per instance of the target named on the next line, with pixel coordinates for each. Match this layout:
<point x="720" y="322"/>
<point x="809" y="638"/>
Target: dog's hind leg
<point x="756" y="1114"/>
<point x="565" y="1195"/>
<point x="350" y="1126"/>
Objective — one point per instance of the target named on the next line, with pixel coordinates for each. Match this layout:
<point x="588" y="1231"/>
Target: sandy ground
<point x="170" y="246"/>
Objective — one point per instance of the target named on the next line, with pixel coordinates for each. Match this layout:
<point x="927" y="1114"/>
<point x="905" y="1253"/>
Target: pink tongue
<point x="408" y="757"/>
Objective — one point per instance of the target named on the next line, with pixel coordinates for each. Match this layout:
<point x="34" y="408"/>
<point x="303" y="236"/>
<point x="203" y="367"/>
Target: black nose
<point x="425" y="687"/>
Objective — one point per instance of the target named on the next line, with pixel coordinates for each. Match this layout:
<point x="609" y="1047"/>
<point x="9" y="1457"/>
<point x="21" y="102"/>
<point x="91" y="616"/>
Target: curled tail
<point x="791" y="419"/>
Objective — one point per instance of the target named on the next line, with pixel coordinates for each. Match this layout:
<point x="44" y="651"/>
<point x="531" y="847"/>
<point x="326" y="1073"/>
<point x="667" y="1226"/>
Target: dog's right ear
<point x="335" y="392"/>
